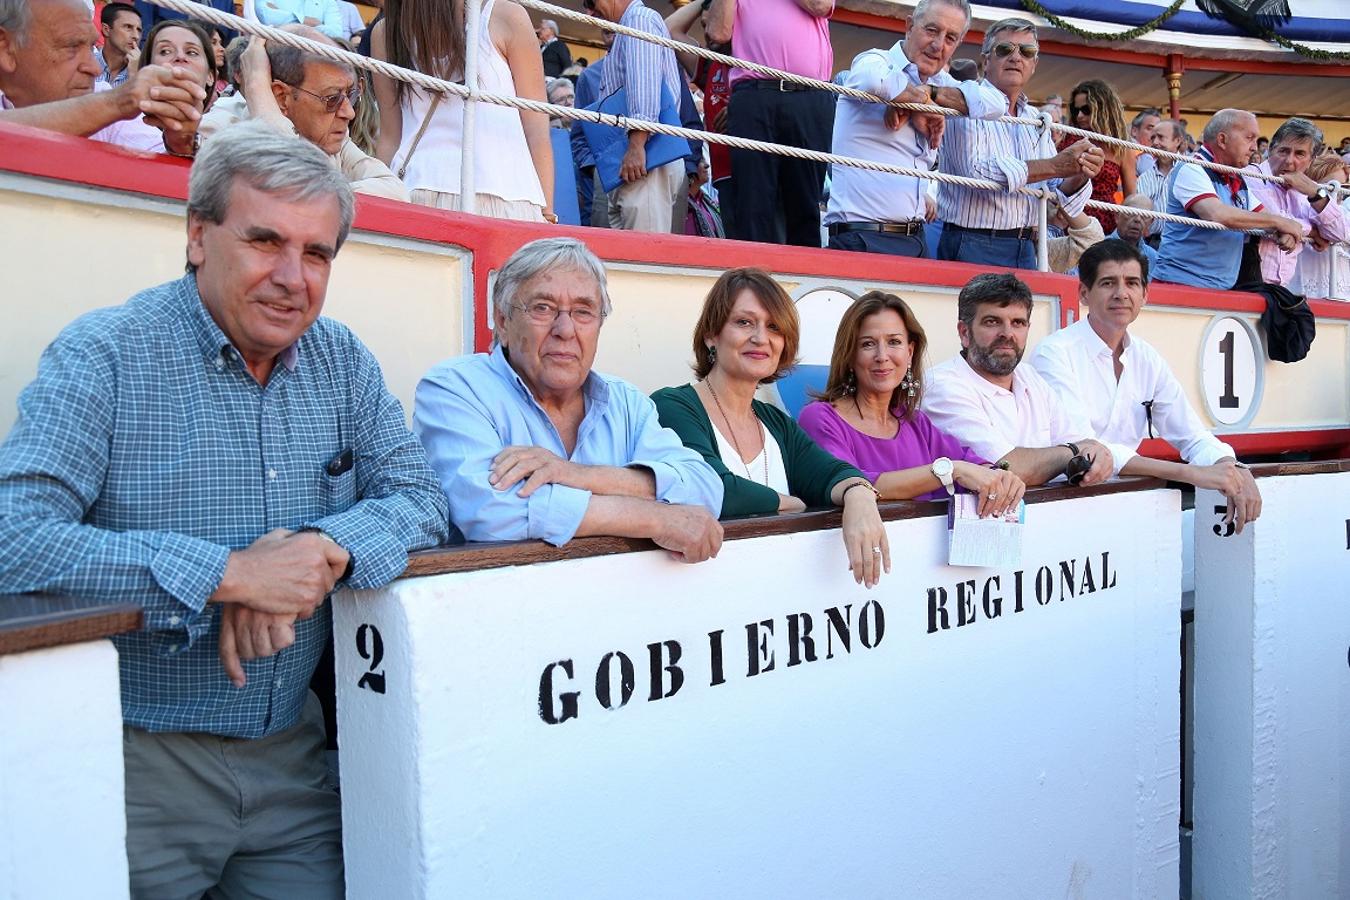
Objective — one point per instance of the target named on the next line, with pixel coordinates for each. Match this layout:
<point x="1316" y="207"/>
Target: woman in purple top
<point x="869" y="413"/>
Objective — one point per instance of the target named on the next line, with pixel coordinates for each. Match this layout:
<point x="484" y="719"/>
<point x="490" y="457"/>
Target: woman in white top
<point x="513" y="156"/>
<point x="173" y="43"/>
<point x="1313" y="275"/>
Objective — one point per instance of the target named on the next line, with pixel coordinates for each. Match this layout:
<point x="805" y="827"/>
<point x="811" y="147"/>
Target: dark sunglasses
<point x="1028" y="51"/>
<point x="1085" y="109"/>
<point x="333" y="102"/>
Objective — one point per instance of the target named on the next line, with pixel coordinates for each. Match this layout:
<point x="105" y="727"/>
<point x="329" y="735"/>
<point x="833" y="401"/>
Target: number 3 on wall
<point x="1231" y="374"/>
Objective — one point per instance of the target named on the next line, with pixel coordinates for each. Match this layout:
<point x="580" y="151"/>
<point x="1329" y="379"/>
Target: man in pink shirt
<point x="776" y="199"/>
<point x="1300" y="198"/>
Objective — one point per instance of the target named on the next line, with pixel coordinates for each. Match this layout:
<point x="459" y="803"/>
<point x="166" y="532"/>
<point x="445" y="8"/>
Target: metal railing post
<point x="467" y="188"/>
<point x="1042" y="233"/>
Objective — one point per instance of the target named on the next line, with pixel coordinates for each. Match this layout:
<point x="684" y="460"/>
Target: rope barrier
<point x="338" y="55"/>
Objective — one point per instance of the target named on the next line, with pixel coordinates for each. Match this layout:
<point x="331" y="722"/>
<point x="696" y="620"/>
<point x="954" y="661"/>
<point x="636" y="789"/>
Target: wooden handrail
<point x="32" y="621"/>
<point x="497" y="554"/>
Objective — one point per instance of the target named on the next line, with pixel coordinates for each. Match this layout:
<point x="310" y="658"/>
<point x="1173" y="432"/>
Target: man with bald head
<point x="299" y="92"/>
<point x="48" y="70"/>
<point x="1170" y="136"/>
<point x="1205" y="257"/>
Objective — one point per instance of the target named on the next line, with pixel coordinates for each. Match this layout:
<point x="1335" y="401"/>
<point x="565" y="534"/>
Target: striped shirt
<point x="641" y="67"/>
<point x="145" y="452"/>
<point x="1152" y="183"/>
<point x="997" y="151"/>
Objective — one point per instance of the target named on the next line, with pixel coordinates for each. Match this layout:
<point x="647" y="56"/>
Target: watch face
<point x="942" y="466"/>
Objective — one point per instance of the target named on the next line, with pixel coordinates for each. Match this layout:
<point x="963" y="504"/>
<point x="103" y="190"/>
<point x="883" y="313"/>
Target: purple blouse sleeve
<point x="822" y="423"/>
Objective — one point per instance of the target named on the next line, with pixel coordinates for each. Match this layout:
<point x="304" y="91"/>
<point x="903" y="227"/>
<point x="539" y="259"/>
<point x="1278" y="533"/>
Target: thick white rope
<point x="437" y="85"/>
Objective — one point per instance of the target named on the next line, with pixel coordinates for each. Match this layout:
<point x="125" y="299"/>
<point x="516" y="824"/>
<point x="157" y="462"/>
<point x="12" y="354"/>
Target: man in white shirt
<point x="874" y="211"/>
<point x="999" y="409"/>
<point x="1125" y="390"/>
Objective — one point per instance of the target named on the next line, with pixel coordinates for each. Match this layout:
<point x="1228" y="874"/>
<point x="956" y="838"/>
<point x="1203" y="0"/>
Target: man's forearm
<point x="620" y="517"/>
<point x="952" y="98"/>
<point x="79" y="116"/>
<point x="617" y="481"/>
<point x="1147" y="467"/>
<point x="1038" y="465"/>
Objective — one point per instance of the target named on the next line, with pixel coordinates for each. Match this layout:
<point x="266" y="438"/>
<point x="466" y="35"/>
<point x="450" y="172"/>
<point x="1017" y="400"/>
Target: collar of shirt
<point x="987" y="387"/>
<point x="1234" y="183"/>
<point x="1092" y="340"/>
<point x="594" y="387"/>
<point x="4" y="101"/>
<point x="631" y="12"/>
<point x="214" y="344"/>
<point x="1017" y="109"/>
<point x="903" y="63"/>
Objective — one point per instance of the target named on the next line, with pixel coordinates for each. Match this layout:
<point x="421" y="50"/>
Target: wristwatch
<point x="942" y="470"/>
<point x="351" y="560"/>
<point x="1322" y="194"/>
<point x="932" y="94"/>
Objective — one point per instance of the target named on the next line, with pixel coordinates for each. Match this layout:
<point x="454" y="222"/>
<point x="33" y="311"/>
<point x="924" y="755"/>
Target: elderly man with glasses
<point x="529" y="442"/>
<point x="998" y="228"/>
<point x="298" y="92"/>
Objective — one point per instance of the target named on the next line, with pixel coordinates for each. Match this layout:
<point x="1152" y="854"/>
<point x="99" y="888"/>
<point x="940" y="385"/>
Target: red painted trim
<point x="1329" y="444"/>
<point x="1196" y="199"/>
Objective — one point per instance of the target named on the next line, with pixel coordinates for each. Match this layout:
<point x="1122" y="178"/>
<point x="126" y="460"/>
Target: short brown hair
<point x="1321" y="168"/>
<point x="717" y="308"/>
<point x="839" y="384"/>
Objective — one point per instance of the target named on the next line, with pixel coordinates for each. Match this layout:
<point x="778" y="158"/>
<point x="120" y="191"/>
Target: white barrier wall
<point x="63" y="823"/>
<point x="759" y="726"/>
<point x="1272" y="735"/>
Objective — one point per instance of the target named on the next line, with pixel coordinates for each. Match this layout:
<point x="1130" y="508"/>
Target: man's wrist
<point x="351" y="560"/>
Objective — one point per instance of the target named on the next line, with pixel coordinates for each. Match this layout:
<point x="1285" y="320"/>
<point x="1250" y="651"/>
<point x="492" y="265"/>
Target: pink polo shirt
<point x="781" y="35"/>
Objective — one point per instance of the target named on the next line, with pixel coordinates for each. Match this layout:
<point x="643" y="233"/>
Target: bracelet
<point x="550" y="218"/>
<point x="864" y="483"/>
<point x="1073" y="448"/>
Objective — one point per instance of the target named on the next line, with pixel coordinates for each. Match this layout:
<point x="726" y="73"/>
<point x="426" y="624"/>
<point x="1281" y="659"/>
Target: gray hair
<point x="1016" y="23"/>
<point x="288" y="63"/>
<point x="1138" y="201"/>
<point x="269" y="162"/>
<point x="1297" y="129"/>
<point x="539" y="256"/>
<point x="923" y="6"/>
<point x="550" y="25"/>
<point x="1144" y="114"/>
<point x="1178" y="132"/>
<point x="15" y="17"/>
<point x="1224" y="120"/>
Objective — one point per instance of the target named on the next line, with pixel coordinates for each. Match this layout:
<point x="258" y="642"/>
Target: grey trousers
<point x="233" y="818"/>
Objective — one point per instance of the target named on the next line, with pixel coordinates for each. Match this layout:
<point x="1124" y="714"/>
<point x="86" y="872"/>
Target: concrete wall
<point x="1272" y="740"/>
<point x="63" y="824"/>
<point x="1028" y="755"/>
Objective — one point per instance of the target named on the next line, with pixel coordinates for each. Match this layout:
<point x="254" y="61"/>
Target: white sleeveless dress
<point x="506" y="184"/>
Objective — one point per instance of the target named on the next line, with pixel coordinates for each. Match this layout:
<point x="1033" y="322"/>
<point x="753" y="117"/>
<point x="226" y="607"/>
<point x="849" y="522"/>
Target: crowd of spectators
<point x="400" y="141"/>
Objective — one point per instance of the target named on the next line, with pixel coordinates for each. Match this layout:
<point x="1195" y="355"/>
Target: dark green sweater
<point x="811" y="472"/>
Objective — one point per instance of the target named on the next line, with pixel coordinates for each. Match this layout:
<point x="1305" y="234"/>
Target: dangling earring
<point x="851" y="382"/>
<point x="712" y="354"/>
<point x="909" y="383"/>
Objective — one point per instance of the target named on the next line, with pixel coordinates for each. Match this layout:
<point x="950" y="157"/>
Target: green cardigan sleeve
<point x="811" y="471"/>
<point x="680" y="410"/>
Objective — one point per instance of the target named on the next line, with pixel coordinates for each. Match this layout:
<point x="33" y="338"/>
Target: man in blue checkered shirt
<point x="215" y="452"/>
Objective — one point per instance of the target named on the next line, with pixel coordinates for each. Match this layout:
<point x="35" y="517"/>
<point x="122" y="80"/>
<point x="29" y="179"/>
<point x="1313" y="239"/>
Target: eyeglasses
<point x="542" y="312"/>
<point x="1085" y="109"/>
<point x="1028" y="51"/>
<point x="333" y="102"/>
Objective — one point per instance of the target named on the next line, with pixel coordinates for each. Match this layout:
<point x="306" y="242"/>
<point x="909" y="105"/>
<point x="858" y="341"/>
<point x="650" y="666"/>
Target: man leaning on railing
<point x="215" y="452"/>
<point x="990" y="227"/>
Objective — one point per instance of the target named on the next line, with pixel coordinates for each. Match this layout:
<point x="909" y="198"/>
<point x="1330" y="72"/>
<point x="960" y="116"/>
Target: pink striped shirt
<point x="781" y="35"/>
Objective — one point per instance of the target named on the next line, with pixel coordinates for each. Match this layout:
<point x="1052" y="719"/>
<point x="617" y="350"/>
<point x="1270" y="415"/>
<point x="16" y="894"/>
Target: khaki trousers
<point x="648" y="204"/>
<point x="233" y="818"/>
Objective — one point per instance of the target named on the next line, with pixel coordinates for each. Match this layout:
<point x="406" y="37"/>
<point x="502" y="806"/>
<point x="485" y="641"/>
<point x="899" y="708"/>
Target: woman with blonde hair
<point x="1094" y="106"/>
<point x="420" y="132"/>
<point x="869" y="413"/>
<point x="746" y="336"/>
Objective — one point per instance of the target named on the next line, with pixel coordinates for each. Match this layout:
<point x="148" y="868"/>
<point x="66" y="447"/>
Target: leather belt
<point x="907" y="228"/>
<point x="1027" y="233"/>
<point x="770" y="84"/>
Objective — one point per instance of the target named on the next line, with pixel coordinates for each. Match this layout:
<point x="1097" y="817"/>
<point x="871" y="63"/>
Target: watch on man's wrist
<point x="942" y="470"/>
<point x="1321" y="194"/>
<point x="932" y="94"/>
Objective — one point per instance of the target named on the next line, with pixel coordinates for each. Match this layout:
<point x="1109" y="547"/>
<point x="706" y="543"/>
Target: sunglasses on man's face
<point x="1028" y="51"/>
<point x="333" y="102"/>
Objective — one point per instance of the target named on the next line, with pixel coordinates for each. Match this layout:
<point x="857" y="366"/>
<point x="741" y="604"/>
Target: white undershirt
<point x="754" y="470"/>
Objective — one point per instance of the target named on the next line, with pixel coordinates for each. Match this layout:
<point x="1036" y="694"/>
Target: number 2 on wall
<point x="1228" y="400"/>
<point x="370" y="646"/>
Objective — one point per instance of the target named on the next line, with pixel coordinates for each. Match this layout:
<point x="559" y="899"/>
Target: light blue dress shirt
<point x="287" y="12"/>
<point x="857" y="195"/>
<point x="470" y="408"/>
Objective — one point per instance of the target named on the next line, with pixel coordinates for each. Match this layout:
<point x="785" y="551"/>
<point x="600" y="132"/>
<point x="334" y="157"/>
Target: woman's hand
<point x="865" y="537"/>
<point x="999" y="490"/>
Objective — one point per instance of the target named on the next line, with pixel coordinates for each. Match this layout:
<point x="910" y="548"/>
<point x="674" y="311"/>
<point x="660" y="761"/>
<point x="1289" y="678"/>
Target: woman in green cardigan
<point x="747" y="336"/>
